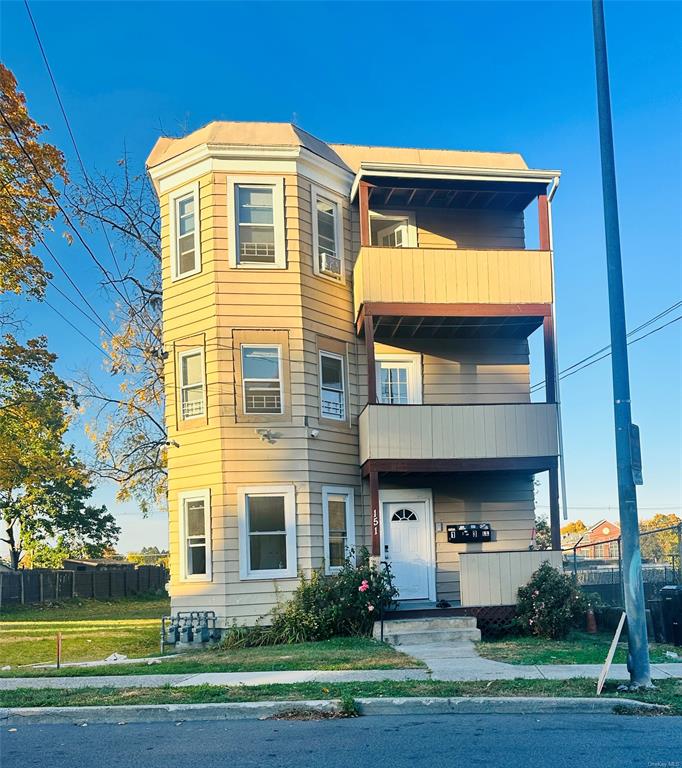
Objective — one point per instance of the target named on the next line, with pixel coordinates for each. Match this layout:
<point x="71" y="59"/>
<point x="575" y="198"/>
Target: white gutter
<point x="560" y="430"/>
<point x="451" y="173"/>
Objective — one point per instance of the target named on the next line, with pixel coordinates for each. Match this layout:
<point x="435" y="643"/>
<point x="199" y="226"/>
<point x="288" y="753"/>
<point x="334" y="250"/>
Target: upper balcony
<point x="459" y="437"/>
<point x="443" y="252"/>
<point x="436" y="279"/>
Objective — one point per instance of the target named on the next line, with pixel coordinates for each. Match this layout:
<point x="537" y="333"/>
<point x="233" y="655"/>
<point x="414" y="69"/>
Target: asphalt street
<point x="394" y="741"/>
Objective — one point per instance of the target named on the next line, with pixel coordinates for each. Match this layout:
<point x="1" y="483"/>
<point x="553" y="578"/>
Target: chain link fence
<point x="598" y="565"/>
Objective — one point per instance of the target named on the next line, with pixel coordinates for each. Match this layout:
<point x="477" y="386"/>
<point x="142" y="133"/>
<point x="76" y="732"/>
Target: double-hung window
<point x="332" y="387"/>
<point x="192" y="387"/>
<point x="256" y="223"/>
<point x="195" y="531"/>
<point x="262" y="378"/>
<point x="399" y="379"/>
<point x="338" y="525"/>
<point x="185" y="239"/>
<point x="327" y="236"/>
<point x="267" y="532"/>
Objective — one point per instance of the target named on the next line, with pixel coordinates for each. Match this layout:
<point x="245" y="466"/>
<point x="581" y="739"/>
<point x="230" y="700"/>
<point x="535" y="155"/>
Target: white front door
<point x="407" y="547"/>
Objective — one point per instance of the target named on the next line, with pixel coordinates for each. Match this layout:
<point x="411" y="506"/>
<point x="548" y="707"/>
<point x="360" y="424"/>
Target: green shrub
<point x="341" y="604"/>
<point x="246" y="637"/>
<point x="550" y="604"/>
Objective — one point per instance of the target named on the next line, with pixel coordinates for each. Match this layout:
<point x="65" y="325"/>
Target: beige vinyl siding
<point x="493" y="578"/>
<point x="452" y="276"/>
<point x="503" y="500"/>
<point x="457" y="431"/>
<point x="469" y="370"/>
<point x="308" y="308"/>
<point x="469" y="228"/>
<point x="189" y="318"/>
<point x="221" y="304"/>
<point x="327" y="308"/>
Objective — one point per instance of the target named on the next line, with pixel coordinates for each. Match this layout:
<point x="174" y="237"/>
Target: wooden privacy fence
<point x="47" y="585"/>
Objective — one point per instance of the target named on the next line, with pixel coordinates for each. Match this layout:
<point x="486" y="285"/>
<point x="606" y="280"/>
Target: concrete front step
<point x="437" y="622"/>
<point x="432" y="636"/>
<point x="445" y="629"/>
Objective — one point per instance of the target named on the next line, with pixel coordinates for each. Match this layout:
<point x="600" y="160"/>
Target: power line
<point x="64" y="213"/>
<point x="587" y="361"/>
<point x="78" y="330"/>
<point x="73" y="138"/>
<point x="102" y="325"/>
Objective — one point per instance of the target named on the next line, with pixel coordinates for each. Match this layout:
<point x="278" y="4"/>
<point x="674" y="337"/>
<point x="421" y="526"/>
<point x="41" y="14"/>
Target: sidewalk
<point x="459" y="661"/>
<point x="447" y="661"/>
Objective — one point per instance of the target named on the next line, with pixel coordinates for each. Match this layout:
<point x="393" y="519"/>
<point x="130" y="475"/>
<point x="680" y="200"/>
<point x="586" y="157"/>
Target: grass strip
<point x="340" y="653"/>
<point x="667" y="692"/>
<point x="578" y="648"/>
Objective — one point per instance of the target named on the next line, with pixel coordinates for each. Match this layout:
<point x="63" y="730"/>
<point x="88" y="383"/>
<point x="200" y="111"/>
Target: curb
<point x="260" y="710"/>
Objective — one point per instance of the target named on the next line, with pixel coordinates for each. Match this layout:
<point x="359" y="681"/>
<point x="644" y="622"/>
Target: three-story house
<point x="346" y="335"/>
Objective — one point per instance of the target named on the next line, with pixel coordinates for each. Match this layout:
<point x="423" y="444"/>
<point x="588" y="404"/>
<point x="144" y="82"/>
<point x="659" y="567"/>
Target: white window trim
<point x="349" y="493"/>
<point x="277" y="183"/>
<point x="289" y="493"/>
<point x="324" y="353"/>
<point x="415" y="385"/>
<point x="183" y="497"/>
<point x="181" y="385"/>
<point x="173" y="198"/>
<point x="278" y="347"/>
<point x="317" y="192"/>
<point x="411" y="223"/>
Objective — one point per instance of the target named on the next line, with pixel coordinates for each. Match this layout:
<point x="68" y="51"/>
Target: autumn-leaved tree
<point x="663" y="544"/>
<point x="575" y="526"/>
<point x="127" y="426"/>
<point x="30" y="170"/>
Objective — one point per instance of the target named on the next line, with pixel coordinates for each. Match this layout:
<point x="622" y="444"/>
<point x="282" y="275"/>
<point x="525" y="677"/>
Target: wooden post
<point x="543" y="221"/>
<point x="554" y="515"/>
<point x="371" y="361"/>
<point x="42" y="587"/>
<point x="375" y="513"/>
<point x="363" y="204"/>
<point x="550" y="370"/>
<point x="22" y="586"/>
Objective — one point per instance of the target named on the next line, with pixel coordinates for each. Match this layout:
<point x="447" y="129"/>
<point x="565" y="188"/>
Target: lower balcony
<point x="473" y="437"/>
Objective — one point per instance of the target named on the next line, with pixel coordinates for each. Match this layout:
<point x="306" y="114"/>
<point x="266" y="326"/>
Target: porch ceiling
<point x="446" y="327"/>
<point x="443" y="193"/>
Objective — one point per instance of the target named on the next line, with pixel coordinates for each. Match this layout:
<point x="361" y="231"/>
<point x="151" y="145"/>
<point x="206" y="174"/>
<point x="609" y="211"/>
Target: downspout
<point x="560" y="430"/>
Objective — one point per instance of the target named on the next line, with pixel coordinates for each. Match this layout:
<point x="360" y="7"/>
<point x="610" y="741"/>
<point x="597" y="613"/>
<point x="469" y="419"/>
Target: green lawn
<point x="91" y="629"/>
<point x="667" y="692"/>
<point x="94" y="629"/>
<point x="578" y="648"/>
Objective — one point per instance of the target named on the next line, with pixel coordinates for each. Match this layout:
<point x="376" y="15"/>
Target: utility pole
<point x="638" y="649"/>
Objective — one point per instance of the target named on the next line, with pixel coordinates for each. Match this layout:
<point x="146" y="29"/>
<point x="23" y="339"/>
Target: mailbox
<point x="469" y="533"/>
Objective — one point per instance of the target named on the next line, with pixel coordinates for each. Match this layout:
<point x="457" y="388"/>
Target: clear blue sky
<point x="488" y="76"/>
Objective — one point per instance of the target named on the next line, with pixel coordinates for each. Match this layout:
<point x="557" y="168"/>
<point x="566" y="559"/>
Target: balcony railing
<point x="437" y="432"/>
<point x="451" y="276"/>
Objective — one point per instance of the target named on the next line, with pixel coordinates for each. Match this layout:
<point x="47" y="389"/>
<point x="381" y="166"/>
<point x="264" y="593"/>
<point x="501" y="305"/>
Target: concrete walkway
<point x="445" y="661"/>
<point x="459" y="661"/>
